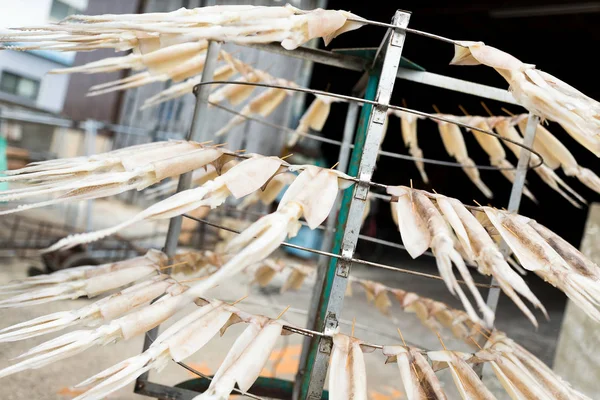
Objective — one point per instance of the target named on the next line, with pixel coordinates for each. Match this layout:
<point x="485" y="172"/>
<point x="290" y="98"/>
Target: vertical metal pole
<point x="198" y="132"/>
<point x="515" y="195"/>
<point x="343" y="158"/>
<point x="517" y="189"/>
<point x="365" y="150"/>
<point x="91" y="131"/>
<point x="513" y="206"/>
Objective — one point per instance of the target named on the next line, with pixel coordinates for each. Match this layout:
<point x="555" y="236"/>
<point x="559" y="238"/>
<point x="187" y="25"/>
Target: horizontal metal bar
<point x="302" y="331"/>
<point x="457" y="85"/>
<point x="328" y="254"/>
<point x="324" y="57"/>
<point x="12" y="114"/>
<point x="354" y="63"/>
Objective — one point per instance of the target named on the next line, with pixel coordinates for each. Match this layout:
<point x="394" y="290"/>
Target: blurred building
<point x="24" y="78"/>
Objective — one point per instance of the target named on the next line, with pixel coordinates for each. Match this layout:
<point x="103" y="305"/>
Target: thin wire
<point x="378" y="104"/>
<point x="354" y="260"/>
<point x="324" y="228"/>
<point x="310" y="333"/>
<point x="409" y="30"/>
<point x="272" y="125"/>
<point x="392" y="26"/>
<point x="351" y="145"/>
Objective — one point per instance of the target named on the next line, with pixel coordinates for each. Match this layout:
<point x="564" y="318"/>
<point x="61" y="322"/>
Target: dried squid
<point x="376" y="294"/>
<point x="163" y="60"/>
<point x="408" y="126"/>
<point x="233" y="93"/>
<point x="152" y="257"/>
<point x="492" y="146"/>
<point x="538" y="377"/>
<point x="244" y="178"/>
<point x="245" y="359"/>
<point x="263" y="104"/>
<point x="313" y="118"/>
<point x="109" y="173"/>
<point x="347" y="372"/>
<point x="465" y="379"/>
<point x="288" y="25"/>
<point x="454" y="143"/>
<point x="418" y="378"/>
<point x="122" y="328"/>
<point x="420" y="220"/>
<point x="103" y="310"/>
<point x="179" y="341"/>
<point x="472" y="237"/>
<point x="539" y="92"/>
<point x="557" y="155"/>
<point x="83" y="282"/>
<point x="311" y="195"/>
<point x="269" y="194"/>
<point x="551" y="258"/>
<point x="269" y="268"/>
<point x="487" y="255"/>
<point x="505" y="128"/>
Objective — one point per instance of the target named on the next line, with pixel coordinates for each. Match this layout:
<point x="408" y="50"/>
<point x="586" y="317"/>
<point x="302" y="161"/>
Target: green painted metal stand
<point x="328" y="295"/>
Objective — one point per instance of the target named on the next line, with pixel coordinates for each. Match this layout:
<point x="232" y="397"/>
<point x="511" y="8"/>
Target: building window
<point x="60" y="10"/>
<point x="19" y="85"/>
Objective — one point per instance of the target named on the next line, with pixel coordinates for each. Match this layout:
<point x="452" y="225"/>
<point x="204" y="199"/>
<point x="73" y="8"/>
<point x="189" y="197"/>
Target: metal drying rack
<point x="343" y="232"/>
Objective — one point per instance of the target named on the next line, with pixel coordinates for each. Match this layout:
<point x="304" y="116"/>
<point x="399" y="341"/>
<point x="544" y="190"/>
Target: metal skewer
<point x="340" y="143"/>
<point x="333" y="255"/>
<point x="378" y="104"/>
<point x="409" y="30"/>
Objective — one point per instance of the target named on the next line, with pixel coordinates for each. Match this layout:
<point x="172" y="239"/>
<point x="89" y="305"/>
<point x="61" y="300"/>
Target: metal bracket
<point x="331" y="323"/>
<point x="398" y="40"/>
<point x="362" y="187"/>
<point x="379" y="114"/>
<point x="344" y="264"/>
<point x="343" y="269"/>
<point x="325" y="345"/>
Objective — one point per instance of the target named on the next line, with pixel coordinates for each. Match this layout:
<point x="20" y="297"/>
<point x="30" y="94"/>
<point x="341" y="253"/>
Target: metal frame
<point x="328" y="295"/>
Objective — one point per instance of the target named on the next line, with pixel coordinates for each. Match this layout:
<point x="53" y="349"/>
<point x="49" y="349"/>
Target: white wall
<point x="24" y="12"/>
<point x="53" y="88"/>
<point x="14" y="13"/>
<point x="18" y="13"/>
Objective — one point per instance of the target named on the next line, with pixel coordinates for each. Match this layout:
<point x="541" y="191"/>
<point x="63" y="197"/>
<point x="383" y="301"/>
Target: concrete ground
<point x="53" y="381"/>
